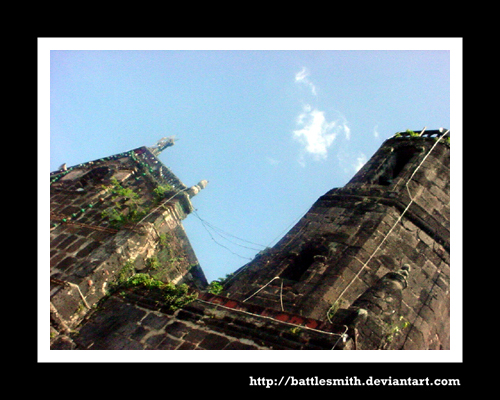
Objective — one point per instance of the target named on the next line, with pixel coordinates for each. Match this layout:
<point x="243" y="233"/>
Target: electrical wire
<point x="217" y="231"/>
<point x="221" y="233"/>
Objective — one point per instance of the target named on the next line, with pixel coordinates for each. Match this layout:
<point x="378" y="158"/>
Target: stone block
<point x="55" y="240"/>
<point x="66" y="242"/>
<point x="195" y="335"/>
<point x="154" y="321"/>
<point x="213" y="342"/>
<point x="67" y="263"/>
<point x="177" y="329"/>
<point x="160" y="340"/>
<point x="87" y="249"/>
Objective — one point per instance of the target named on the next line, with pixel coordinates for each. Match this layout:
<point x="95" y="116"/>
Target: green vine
<point x="161" y="191"/>
<point x="123" y="198"/>
<point x="215" y="287"/>
<point x="174" y="296"/>
<point x="396" y="328"/>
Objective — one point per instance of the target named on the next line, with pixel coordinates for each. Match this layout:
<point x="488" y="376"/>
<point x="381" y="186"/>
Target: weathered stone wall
<point x="395" y="211"/>
<point x="90" y="250"/>
<point x="138" y="320"/>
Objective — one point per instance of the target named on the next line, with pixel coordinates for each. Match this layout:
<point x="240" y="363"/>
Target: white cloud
<point x="315" y="133"/>
<point x="302" y="77"/>
<point x="347" y="131"/>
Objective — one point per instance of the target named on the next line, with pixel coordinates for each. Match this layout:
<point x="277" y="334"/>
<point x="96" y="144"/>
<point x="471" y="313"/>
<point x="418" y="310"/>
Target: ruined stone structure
<point x="367" y="267"/>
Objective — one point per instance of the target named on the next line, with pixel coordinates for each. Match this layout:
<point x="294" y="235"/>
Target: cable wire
<point x="206" y="225"/>
<point x="223" y="235"/>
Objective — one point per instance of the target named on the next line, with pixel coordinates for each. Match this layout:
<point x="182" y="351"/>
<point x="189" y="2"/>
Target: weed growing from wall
<point x="123" y="198"/>
<point x="174" y="296"/>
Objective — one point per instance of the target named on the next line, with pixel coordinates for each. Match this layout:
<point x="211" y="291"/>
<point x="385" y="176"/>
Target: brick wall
<point x="353" y="236"/>
<point x="89" y="250"/>
<point x="138" y="320"/>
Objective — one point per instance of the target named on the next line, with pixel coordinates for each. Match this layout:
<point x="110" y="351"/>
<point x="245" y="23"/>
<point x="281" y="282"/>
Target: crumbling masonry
<point x="367" y="267"/>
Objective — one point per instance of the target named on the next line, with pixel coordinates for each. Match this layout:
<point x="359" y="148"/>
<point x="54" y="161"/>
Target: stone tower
<point x="110" y="217"/>
<point x="372" y="255"/>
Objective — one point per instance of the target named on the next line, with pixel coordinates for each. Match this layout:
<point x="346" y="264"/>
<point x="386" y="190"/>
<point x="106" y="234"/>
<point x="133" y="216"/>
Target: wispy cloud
<point x="315" y="133"/>
<point x="346" y="130"/>
<point x="302" y="77"/>
<point x="313" y="130"/>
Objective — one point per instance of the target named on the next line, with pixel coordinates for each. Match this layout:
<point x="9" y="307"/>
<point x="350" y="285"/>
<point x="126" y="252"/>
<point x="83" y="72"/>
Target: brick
<point x="139" y="333"/>
<point x="296" y="320"/>
<point x="169" y="343"/>
<point x="282" y="317"/>
<point x="58" y="257"/>
<point x="65" y="243"/>
<point x="217" y="300"/>
<point x="177" y="329"/>
<point x="231" y="304"/>
<point x="132" y="345"/>
<point x="214" y="342"/>
<point x="76" y="245"/>
<point x="66" y="263"/>
<point x="154" y="321"/>
<point x="311" y="323"/>
<point x="155" y="340"/>
<point x="58" y="239"/>
<point x="88" y="249"/>
<point x="186" y="346"/>
<point x="195" y="336"/>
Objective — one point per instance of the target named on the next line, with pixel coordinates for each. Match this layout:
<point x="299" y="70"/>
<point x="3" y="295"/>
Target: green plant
<point x="408" y="131"/>
<point x="396" y="328"/>
<point x="160" y="191"/>
<point x="174" y="296"/>
<point x="215" y="287"/>
<point x="123" y="198"/>
<point x="153" y="262"/>
<point x="126" y="272"/>
<point x="295" y="330"/>
<point x="119" y="191"/>
<point x="164" y="239"/>
<point x="114" y="216"/>
<point x="123" y="275"/>
<point x="412" y="134"/>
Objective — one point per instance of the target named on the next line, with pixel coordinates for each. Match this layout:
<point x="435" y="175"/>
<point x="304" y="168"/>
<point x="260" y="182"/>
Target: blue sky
<point x="271" y="130"/>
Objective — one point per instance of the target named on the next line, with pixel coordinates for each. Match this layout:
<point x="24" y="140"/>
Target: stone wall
<point x="92" y="248"/>
<point x="137" y="319"/>
<point x="394" y="212"/>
